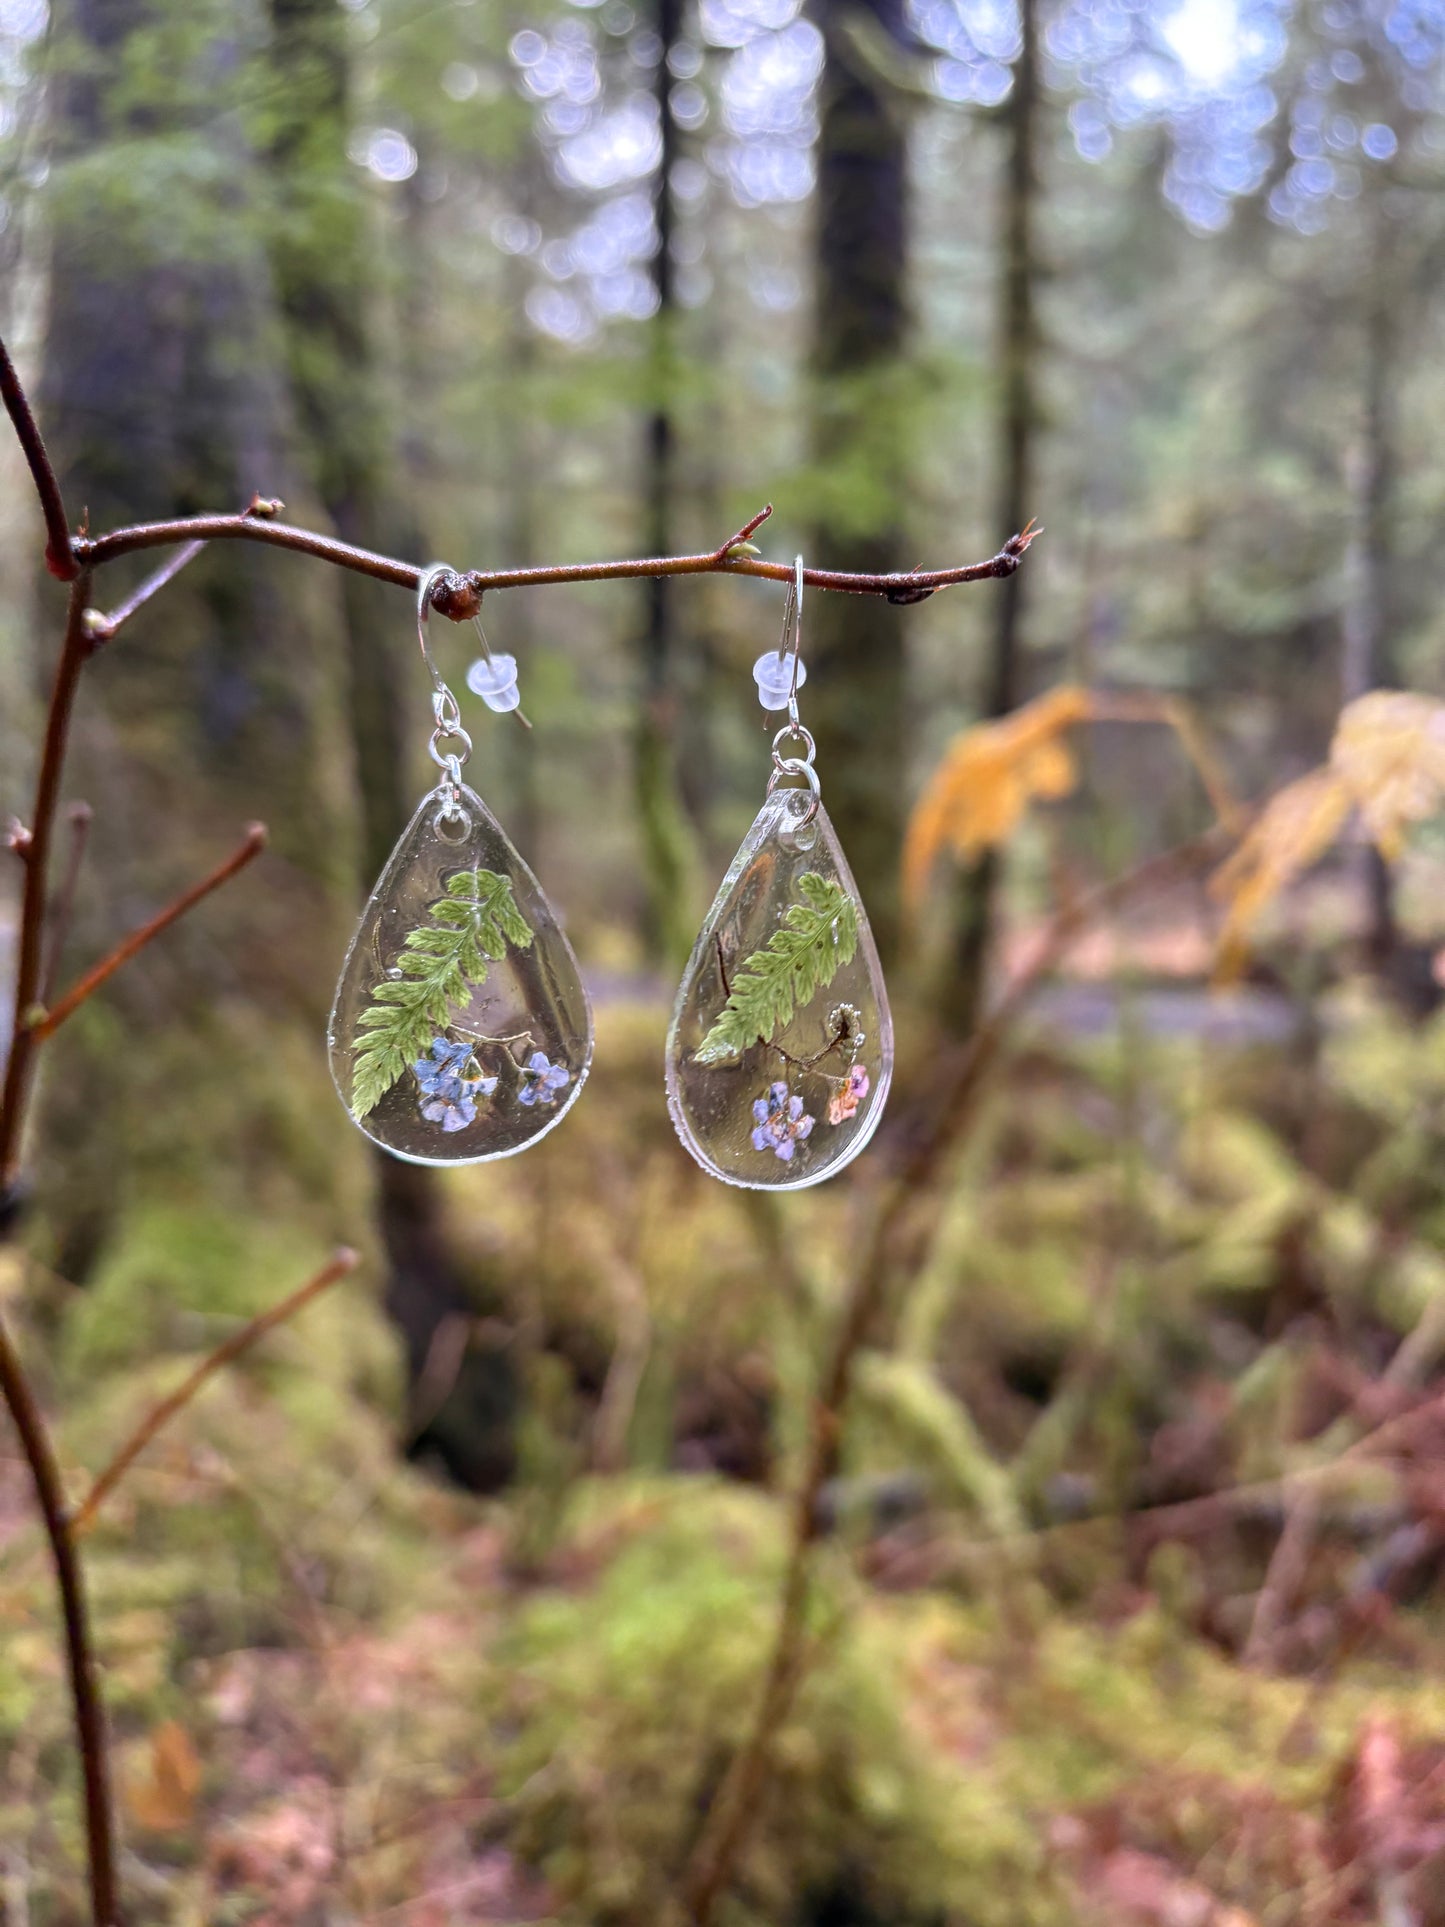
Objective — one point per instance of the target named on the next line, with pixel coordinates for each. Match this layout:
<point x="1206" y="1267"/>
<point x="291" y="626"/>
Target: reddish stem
<point x="341" y="1262"/>
<point x="89" y="1713"/>
<point x="460" y="596"/>
<point x="79" y="816"/>
<point x="59" y="545"/>
<point x="20" y="1064"/>
<point x="246" y="852"/>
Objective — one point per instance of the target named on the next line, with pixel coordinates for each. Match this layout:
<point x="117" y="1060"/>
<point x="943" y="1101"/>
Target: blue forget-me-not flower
<point x="543" y="1079"/>
<point x="450" y="1093"/>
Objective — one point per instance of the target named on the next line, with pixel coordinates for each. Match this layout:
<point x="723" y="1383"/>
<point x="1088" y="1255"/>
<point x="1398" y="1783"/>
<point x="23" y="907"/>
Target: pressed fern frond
<point x="818" y="936"/>
<point x="441" y="963"/>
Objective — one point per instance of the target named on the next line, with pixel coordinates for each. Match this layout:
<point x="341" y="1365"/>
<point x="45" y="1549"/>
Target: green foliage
<point x="441" y="963"/>
<point x="621" y="1698"/>
<point x="909" y="1406"/>
<point x="818" y="936"/>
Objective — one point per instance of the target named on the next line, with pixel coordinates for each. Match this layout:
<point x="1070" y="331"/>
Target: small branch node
<point x="19" y="839"/>
<point x="459" y="597"/>
<point x="1018" y="545"/>
<point x="738" y="545"/>
<point x="264" y="507"/>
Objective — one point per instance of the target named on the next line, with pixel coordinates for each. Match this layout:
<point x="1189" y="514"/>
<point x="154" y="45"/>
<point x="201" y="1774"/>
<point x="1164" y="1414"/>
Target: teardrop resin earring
<point x="781" y="1047"/>
<point x="461" y="1030"/>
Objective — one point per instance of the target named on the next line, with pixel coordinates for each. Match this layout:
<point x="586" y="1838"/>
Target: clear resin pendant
<point x="781" y="1046"/>
<point x="461" y="1030"/>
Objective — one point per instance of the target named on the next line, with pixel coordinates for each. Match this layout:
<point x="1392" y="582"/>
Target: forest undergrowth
<point x="1126" y="1608"/>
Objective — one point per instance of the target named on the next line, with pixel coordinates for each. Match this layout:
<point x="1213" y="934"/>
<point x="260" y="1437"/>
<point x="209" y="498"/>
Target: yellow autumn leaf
<point x="1389" y="751"/>
<point x="160" y="1793"/>
<point x="988" y="777"/>
<point x="1294" y="830"/>
<point x="1387" y="761"/>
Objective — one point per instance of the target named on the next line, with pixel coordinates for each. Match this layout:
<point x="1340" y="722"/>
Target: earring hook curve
<point x="791" y="640"/>
<point x="425" y="588"/>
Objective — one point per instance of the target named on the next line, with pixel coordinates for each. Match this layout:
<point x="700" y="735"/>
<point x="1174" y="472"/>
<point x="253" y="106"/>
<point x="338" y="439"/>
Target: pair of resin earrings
<point x="461" y="1029"/>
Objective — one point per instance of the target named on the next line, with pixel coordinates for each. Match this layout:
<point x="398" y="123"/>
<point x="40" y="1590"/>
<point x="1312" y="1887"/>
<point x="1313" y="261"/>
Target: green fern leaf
<point x="818" y="936"/>
<point x="442" y="961"/>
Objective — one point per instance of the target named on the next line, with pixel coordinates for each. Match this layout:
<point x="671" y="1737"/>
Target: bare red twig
<point x="342" y="1262"/>
<point x="249" y="848"/>
<point x="59" y="545"/>
<point x="103" y="628"/>
<point x="79" y="816"/>
<point x="20" y="1064"/>
<point x="735" y="1809"/>
<point x="461" y="596"/>
<point x="89" y="1713"/>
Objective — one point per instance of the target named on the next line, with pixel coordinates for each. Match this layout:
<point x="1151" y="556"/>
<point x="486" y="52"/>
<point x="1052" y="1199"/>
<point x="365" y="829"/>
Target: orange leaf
<point x="988" y="777"/>
<point x="1294" y="829"/>
<point x="161" y="1797"/>
<point x="1389" y="751"/>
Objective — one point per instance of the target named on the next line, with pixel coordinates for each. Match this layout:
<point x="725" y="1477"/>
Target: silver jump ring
<point x="454" y="733"/>
<point x="795" y="766"/>
<point x="804" y="736"/>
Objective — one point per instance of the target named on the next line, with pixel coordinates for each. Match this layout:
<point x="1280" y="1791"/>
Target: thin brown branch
<point x="249" y="848"/>
<point x="79" y="817"/>
<point x="60" y="556"/>
<point x="103" y="628"/>
<point x="89" y="1713"/>
<point x="460" y="596"/>
<point x="1136" y="707"/>
<point x="342" y="1262"/>
<point x="20" y="1063"/>
<point x="749" y="528"/>
<point x="738" y="1802"/>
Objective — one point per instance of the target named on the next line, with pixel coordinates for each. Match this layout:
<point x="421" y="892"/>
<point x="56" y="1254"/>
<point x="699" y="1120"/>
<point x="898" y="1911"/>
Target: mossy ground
<point x="342" y="1690"/>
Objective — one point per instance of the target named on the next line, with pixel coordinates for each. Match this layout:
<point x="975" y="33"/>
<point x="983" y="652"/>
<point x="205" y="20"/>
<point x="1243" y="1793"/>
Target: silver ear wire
<point x="793" y="635"/>
<point x="792" y="640"/>
<point x="430" y="576"/>
<point x="768" y="670"/>
<point x="446" y="711"/>
<point x="499" y="678"/>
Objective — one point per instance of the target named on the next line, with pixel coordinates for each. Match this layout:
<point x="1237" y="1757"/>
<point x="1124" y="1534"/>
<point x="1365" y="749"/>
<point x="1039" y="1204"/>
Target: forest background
<point x="1040" y="1523"/>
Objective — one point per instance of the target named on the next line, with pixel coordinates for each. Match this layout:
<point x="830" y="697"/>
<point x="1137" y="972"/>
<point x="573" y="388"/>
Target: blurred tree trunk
<point x="1365" y="627"/>
<point x="197" y="1083"/>
<point x="321" y="249"/>
<point x="855" y="704"/>
<point x="523" y="749"/>
<point x="1016" y="359"/>
<point x="669" y="845"/>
